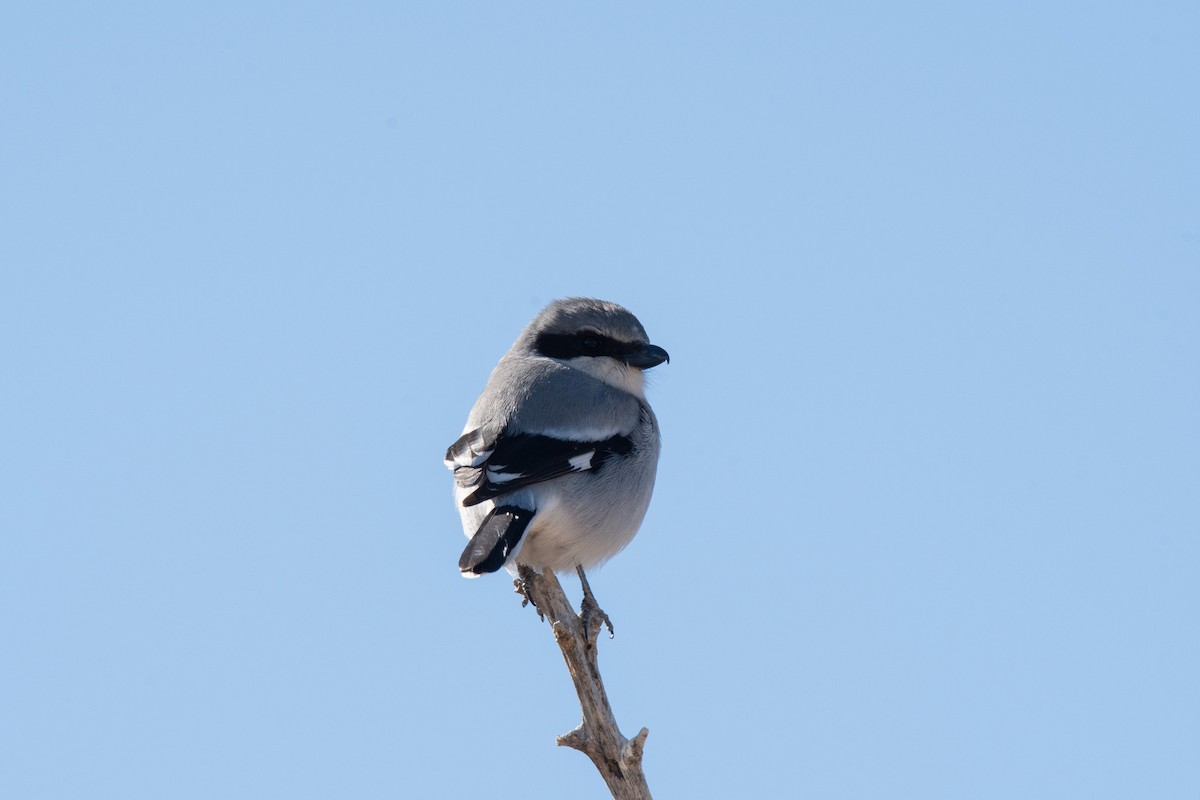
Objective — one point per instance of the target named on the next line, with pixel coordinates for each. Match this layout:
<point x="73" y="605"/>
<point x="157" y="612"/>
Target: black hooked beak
<point x="646" y="356"/>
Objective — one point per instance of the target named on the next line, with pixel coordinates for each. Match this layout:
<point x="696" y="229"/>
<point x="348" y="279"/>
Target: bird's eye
<point x="591" y="343"/>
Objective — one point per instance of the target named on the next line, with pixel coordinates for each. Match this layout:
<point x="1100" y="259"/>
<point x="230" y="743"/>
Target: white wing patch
<point x="582" y="461"/>
<point x="503" y="477"/>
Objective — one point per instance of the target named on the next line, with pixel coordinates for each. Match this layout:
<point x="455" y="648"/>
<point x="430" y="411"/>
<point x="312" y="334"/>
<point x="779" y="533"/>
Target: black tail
<point x="497" y="536"/>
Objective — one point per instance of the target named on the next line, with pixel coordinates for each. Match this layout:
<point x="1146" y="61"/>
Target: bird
<point x="556" y="464"/>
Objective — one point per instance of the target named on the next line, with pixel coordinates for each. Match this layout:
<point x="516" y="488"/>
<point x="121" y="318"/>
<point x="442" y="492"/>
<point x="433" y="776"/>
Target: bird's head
<point x="600" y="338"/>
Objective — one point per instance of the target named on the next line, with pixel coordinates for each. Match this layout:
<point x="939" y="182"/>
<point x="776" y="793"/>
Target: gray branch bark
<point x="618" y="759"/>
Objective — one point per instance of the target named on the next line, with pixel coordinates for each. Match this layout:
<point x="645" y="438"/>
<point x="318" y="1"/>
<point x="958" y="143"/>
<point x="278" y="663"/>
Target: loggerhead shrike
<point x="556" y="463"/>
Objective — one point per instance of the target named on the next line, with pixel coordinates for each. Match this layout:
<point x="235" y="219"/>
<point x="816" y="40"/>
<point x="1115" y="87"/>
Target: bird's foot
<point x="521" y="587"/>
<point x="590" y="611"/>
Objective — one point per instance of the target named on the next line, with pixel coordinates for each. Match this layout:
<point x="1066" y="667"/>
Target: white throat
<point x="614" y="373"/>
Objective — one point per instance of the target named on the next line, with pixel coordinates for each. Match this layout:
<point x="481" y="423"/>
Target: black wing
<point x="515" y="461"/>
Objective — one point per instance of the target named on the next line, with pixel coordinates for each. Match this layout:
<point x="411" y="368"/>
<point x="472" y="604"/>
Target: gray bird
<point x="556" y="464"/>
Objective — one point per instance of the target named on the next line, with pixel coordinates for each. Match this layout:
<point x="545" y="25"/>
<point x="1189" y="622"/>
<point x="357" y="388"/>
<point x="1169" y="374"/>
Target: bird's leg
<point x="589" y="608"/>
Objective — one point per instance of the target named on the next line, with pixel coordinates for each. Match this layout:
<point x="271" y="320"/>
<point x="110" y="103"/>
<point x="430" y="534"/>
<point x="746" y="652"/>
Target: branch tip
<point x="576" y="739"/>
<point x="631" y="753"/>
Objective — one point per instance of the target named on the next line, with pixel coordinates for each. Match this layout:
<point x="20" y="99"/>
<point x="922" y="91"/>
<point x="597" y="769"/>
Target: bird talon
<point x="590" y="609"/>
<point x="521" y="587"/>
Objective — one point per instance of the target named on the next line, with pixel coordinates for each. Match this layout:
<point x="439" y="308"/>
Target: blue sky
<point x="927" y="521"/>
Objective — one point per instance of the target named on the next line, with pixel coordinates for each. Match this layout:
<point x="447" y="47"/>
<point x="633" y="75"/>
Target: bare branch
<point x="598" y="737"/>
